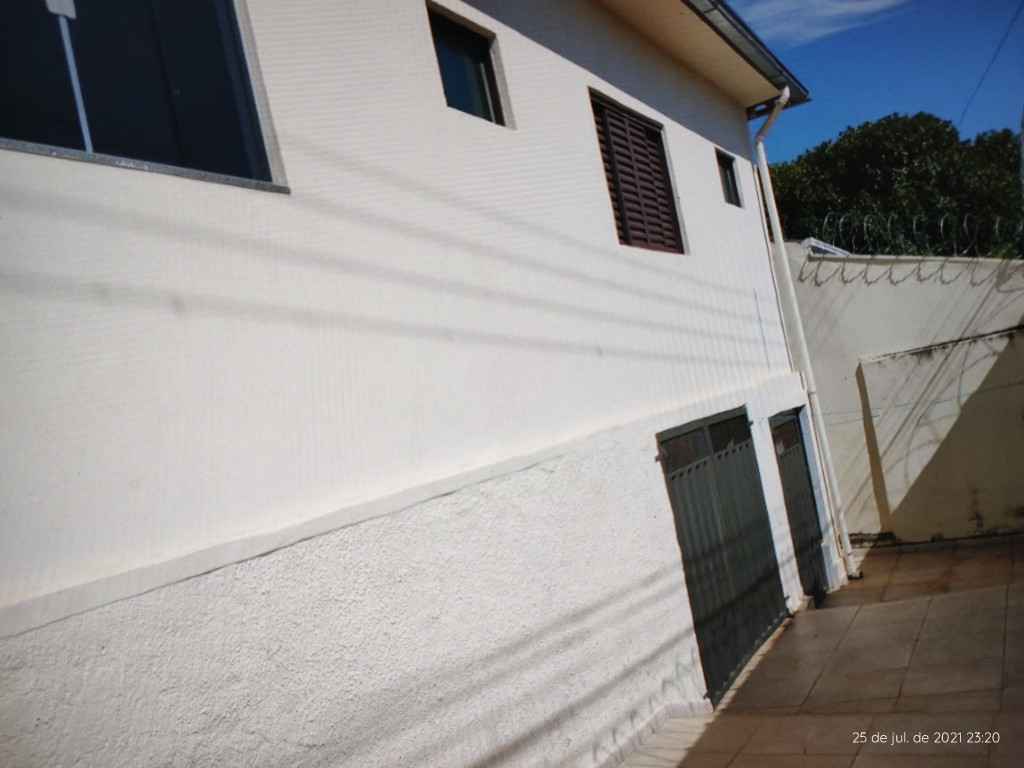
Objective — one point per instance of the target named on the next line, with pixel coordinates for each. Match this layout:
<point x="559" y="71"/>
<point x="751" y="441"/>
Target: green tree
<point x="906" y="184"/>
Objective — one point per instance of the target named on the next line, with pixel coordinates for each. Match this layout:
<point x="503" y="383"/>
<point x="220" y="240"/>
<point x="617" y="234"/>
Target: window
<point x="638" y="182"/>
<point x="467" y="72"/>
<point x="727" y="173"/>
<point x="163" y="81"/>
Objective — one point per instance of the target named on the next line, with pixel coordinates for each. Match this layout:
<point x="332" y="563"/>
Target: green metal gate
<point x="801" y="508"/>
<point x="725" y="539"/>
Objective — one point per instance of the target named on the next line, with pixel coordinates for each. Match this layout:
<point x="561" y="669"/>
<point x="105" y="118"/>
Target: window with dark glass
<point x="163" y="81"/>
<point x="727" y="173"/>
<point x="467" y="71"/>
<point x="636" y="169"/>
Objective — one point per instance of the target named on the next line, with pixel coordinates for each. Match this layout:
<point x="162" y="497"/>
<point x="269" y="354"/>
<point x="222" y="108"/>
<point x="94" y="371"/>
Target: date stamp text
<point x="926" y="737"/>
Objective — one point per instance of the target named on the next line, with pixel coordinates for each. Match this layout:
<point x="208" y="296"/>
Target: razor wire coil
<point x="947" y="235"/>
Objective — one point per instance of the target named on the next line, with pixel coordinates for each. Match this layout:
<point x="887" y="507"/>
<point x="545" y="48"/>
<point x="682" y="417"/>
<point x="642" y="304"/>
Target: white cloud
<point x="793" y="22"/>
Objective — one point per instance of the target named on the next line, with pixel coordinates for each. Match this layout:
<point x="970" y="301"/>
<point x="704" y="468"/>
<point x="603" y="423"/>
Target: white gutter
<point x="797" y="342"/>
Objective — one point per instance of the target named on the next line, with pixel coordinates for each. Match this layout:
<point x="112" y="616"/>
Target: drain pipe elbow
<point x="797" y="342"/>
<point x="777" y="107"/>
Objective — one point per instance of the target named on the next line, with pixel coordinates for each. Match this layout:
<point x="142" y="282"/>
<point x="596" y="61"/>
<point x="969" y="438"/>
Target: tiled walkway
<point x="929" y="643"/>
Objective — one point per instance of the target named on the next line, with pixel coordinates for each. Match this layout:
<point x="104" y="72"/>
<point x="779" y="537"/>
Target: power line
<point x="991" y="62"/>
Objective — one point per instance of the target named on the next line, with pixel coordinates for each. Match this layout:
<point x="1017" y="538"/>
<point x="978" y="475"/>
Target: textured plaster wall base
<point x="535" y="619"/>
<point x="539" y="618"/>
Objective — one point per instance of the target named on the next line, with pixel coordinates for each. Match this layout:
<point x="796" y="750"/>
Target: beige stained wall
<point x="920" y="371"/>
<point x="186" y="364"/>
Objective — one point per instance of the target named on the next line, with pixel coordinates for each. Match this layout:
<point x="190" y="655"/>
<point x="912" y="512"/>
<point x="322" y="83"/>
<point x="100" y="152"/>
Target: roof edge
<point x="734" y="31"/>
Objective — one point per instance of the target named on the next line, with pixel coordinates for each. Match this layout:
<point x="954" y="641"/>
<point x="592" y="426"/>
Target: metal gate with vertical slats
<point x="721" y="519"/>
<point x="801" y="509"/>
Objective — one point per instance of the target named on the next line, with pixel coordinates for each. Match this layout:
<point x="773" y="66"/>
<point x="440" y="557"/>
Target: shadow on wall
<point x="944" y="427"/>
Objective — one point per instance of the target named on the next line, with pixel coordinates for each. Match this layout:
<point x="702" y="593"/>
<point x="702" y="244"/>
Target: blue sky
<point x="864" y="59"/>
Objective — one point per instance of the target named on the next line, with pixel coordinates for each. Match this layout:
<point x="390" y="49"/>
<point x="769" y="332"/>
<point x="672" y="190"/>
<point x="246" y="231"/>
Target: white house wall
<point x="394" y="354"/>
<point x="190" y="362"/>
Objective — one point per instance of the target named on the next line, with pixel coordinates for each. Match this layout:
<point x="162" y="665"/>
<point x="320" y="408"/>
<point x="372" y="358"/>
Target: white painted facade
<point x="364" y="473"/>
<point x="919" y="364"/>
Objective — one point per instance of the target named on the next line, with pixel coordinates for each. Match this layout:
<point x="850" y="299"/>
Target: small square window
<point x="636" y="170"/>
<point x="727" y="173"/>
<point x="467" y="71"/>
<point x="163" y="81"/>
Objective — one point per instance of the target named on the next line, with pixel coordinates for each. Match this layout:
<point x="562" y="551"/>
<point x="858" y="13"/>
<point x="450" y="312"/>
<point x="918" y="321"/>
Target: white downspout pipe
<point x="64" y="10"/>
<point x="794" y="330"/>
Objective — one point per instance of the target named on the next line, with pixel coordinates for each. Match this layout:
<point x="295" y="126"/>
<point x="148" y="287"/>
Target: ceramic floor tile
<point x="1015" y="592"/>
<point x="983" y="548"/>
<point x="983" y="569"/>
<point x="706" y="760"/>
<point x="984" y="599"/>
<point x="1015" y="620"/>
<point x="1013" y="700"/>
<point x="998" y="560"/>
<point x="870" y="657"/>
<point x="967" y="621"/>
<point x="968" y="582"/>
<point x="873" y="567"/>
<point x="872" y="574"/>
<point x="907" y="591"/>
<point x="880" y="635"/>
<point x="857" y="706"/>
<point x="966" y="701"/>
<point x="929" y="575"/>
<point x="912" y="560"/>
<point x="801" y="645"/>
<point x="923" y="554"/>
<point x="791" y="761"/>
<point x="818" y="676"/>
<point x="821" y="622"/>
<point x="728" y="733"/>
<point x="1010" y="729"/>
<point x="671" y="754"/>
<point x="920" y="761"/>
<point x="641" y="760"/>
<point x="790" y="694"/>
<point x="772" y="711"/>
<point x="1013" y="673"/>
<point x="857" y="686"/>
<point x="1013" y="661"/>
<point x="767" y="691"/>
<point x="953" y="646"/>
<point x="787" y="672"/>
<point x="794" y="652"/>
<point x="888" y="613"/>
<point x="808" y="734"/>
<point x="851" y="596"/>
<point x="953" y="677"/>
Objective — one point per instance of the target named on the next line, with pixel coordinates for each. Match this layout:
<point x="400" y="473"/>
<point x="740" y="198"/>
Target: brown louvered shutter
<point x="637" y="174"/>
